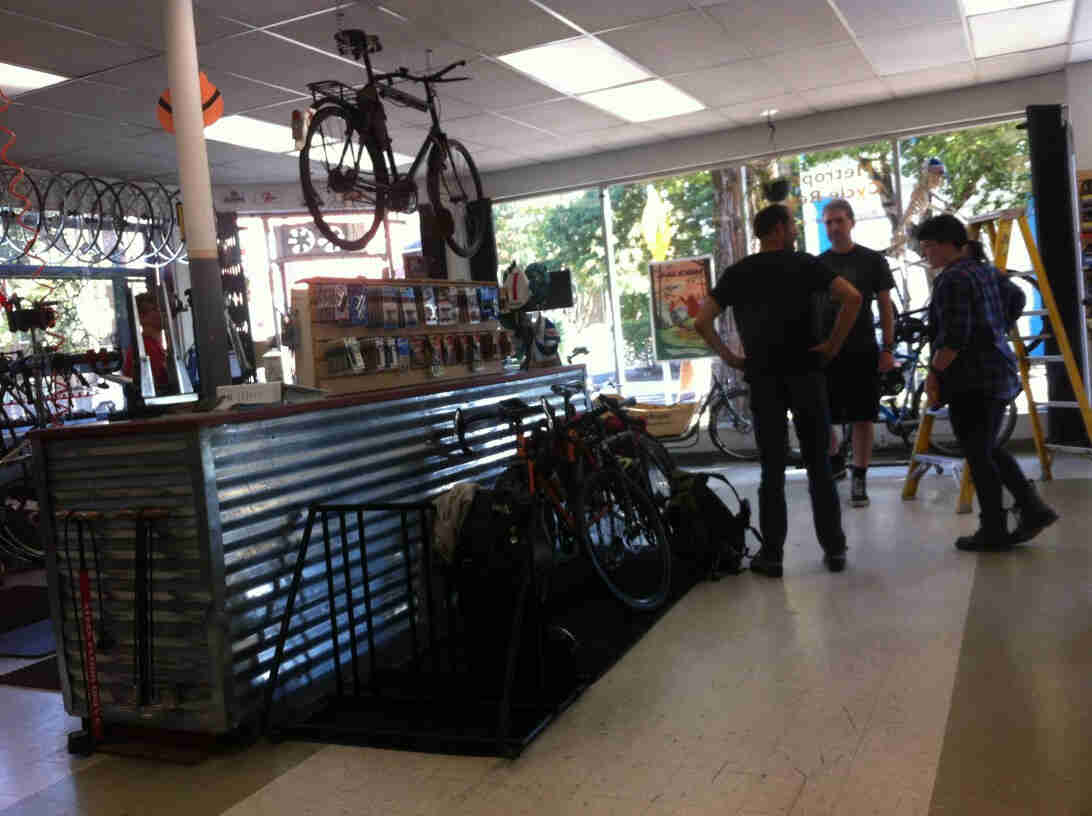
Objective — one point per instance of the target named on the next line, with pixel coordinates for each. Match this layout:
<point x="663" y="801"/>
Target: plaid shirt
<point x="967" y="315"/>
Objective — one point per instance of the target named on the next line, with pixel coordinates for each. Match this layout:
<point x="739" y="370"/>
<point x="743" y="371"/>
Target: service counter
<point x="235" y="488"/>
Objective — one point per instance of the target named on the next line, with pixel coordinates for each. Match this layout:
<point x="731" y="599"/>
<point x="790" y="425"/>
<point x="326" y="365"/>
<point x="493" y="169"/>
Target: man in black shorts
<point x="853" y="377"/>
<point x="772" y="294"/>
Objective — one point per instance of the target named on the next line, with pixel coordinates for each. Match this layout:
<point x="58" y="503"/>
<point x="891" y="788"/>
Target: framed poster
<point x="679" y="287"/>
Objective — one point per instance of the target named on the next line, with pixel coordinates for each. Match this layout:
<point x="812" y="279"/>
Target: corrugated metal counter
<point x="237" y="486"/>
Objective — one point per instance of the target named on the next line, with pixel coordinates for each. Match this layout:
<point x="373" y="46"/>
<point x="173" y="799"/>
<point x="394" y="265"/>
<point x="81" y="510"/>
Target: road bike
<point x="347" y="155"/>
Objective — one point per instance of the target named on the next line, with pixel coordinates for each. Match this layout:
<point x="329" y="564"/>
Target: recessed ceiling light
<point x="1021" y="29"/>
<point x="15" y="79"/>
<point x="768" y="112"/>
<point x="972" y="7"/>
<point x="577" y="66"/>
<point x="256" y="134"/>
<point x="644" y="101"/>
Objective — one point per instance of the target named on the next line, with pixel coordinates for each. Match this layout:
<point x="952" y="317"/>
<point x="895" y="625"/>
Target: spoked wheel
<point x="943" y="441"/>
<point x="137" y="217"/>
<point x="731" y="427"/>
<point x="340" y="166"/>
<point x="453" y="185"/>
<point x="625" y="539"/>
<point x="1030" y="287"/>
<point x="21" y="212"/>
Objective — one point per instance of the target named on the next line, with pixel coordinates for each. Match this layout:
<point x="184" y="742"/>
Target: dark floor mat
<point x="22" y="605"/>
<point x="34" y="640"/>
<point x="41" y="675"/>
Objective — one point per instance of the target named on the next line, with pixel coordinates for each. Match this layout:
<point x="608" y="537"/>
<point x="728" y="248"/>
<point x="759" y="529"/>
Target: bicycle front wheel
<point x="943" y="440"/>
<point x="453" y="186"/>
<point x="341" y="166"/>
<point x="732" y="429"/>
<point x="625" y="539"/>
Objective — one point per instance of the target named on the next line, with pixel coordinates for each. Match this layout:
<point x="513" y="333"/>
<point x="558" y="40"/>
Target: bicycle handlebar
<point x="404" y="73"/>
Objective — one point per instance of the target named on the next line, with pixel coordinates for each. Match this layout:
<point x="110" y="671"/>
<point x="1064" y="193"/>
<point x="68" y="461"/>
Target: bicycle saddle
<point x="567" y="389"/>
<point x="515" y="408"/>
<point x="354" y="42"/>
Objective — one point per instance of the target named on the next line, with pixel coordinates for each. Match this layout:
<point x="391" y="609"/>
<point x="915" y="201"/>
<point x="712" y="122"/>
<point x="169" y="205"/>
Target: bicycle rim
<point x="1023" y="326"/>
<point x="84" y="207"/>
<point x="453" y="186"/>
<point x="943" y="441"/>
<point x="731" y="427"/>
<point x="340" y="168"/>
<point x="22" y="219"/>
<point x="137" y="218"/>
<point x="625" y="539"/>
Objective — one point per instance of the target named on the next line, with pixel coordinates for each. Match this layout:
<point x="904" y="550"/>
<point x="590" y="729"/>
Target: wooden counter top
<point x="175" y="423"/>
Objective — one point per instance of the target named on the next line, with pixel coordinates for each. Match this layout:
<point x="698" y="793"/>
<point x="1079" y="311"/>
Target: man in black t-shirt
<point x="771" y="294"/>
<point x="853" y="377"/>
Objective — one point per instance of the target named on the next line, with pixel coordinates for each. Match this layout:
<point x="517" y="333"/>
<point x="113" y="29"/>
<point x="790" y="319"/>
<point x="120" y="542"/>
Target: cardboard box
<point x="267" y="393"/>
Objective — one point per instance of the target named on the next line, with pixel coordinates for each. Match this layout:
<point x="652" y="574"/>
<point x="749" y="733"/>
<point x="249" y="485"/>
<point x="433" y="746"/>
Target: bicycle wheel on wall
<point x="453" y="185"/>
<point x="731" y="427"/>
<point x="341" y="167"/>
<point x="625" y="539"/>
<point x="943" y="441"/>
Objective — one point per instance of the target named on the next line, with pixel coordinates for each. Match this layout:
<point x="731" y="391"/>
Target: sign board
<point x="678" y="289"/>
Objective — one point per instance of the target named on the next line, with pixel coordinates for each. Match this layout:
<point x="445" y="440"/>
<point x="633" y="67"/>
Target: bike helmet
<point x="515" y="289"/>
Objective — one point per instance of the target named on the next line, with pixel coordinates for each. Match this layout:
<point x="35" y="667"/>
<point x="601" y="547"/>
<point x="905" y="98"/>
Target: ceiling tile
<point x="916" y="49"/>
<point x="107" y="161"/>
<point x="493" y="131"/>
<point x="685" y="42"/>
<point x="494" y="87"/>
<point x="848" y="95"/>
<point x="787" y="106"/>
<point x="565" y="116"/>
<point x="1021" y="29"/>
<point x="493" y="26"/>
<point x="868" y="17"/>
<point x="149" y="75"/>
<point x="241" y="94"/>
<point x="1026" y="63"/>
<point x="604" y="14"/>
<point x="1080" y="51"/>
<point x="450" y="108"/>
<point x="815" y="68"/>
<point x="98" y="100"/>
<point x="275" y="61"/>
<point x="688" y="124"/>
<point x="932" y="79"/>
<point x="59" y="51"/>
<point x="735" y="82"/>
<point x="775" y="26"/>
<point x="267" y="12"/>
<point x="1082" y="21"/>
<point x="496" y="159"/>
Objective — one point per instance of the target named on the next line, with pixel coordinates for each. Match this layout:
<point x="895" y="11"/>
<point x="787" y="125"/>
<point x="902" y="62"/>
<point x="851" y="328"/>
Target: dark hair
<point x="840" y="204"/>
<point x="942" y="229"/>
<point x="767" y="219"/>
<point x="146" y="302"/>
<point x="977" y="251"/>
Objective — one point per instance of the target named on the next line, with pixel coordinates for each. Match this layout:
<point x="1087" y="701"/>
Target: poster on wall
<point x="679" y="287"/>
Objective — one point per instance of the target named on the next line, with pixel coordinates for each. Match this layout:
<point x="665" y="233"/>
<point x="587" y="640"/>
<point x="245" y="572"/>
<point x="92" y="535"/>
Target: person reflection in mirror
<point x="151" y="329"/>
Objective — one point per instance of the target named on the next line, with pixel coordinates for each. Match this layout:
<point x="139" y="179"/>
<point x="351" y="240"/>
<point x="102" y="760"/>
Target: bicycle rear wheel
<point x="625" y="539"/>
<point x="343" y="164"/>
<point x="943" y="441"/>
<point x="731" y="427"/>
<point x="453" y="185"/>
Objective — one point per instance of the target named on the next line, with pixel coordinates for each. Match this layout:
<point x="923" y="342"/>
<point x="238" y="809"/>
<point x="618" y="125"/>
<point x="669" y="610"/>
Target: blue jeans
<point x="772" y="397"/>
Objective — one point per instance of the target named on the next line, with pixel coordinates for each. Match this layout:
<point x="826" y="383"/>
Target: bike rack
<point x="424" y="685"/>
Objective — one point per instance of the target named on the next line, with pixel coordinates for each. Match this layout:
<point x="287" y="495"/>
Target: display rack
<point x="1084" y="196"/>
<point x="481" y="346"/>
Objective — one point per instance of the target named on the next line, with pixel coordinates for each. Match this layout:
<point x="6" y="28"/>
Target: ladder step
<point x="1035" y="313"/>
<point x="934" y="459"/>
<point x="1070" y="449"/>
<point x="1037" y="337"/>
<point x="1046" y="358"/>
<point x="1059" y="404"/>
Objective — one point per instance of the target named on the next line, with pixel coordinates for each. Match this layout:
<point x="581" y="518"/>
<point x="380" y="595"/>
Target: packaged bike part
<point x="390" y="350"/>
<point x="505" y="343"/>
<point x="372" y="350"/>
<point x="448" y="347"/>
<point x="474" y="352"/>
<point x="409" y="307"/>
<point x="445" y="306"/>
<point x="428" y="306"/>
<point x="474" y="306"/>
<point x="462" y="302"/>
<point x="436" y="355"/>
<point x="354" y="353"/>
<point x="341" y="303"/>
<point x="324" y="302"/>
<point x="488" y="345"/>
<point x="402" y="352"/>
<point x="358" y="305"/>
<point x="489" y="303"/>
<point x="392" y="312"/>
<point x="418" y="348"/>
<point x="337" y="358"/>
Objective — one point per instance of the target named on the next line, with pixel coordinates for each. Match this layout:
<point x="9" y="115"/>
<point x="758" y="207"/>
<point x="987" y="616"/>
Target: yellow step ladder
<point x="998" y="228"/>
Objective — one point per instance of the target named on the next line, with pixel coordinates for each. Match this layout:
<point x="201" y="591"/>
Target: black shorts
<point x="853" y="382"/>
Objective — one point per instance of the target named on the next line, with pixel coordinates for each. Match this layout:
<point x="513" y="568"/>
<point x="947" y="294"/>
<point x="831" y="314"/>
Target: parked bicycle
<point x="348" y="154"/>
<point x="584" y="497"/>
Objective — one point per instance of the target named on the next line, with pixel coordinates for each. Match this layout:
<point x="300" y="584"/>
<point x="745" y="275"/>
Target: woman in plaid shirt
<point x="974" y="371"/>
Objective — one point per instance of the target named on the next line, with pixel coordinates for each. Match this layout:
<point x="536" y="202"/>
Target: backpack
<point x="703" y="528"/>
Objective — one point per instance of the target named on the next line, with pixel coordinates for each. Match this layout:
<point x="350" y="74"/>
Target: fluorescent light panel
<point x="15" y="79"/>
<point x="577" y="66"/>
<point x="972" y="7"/>
<point x="257" y="134"/>
<point x="1021" y="29"/>
<point x="644" y="101"/>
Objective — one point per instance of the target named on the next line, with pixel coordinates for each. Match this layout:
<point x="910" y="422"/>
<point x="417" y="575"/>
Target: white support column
<point x="209" y="323"/>
<point x="612" y="288"/>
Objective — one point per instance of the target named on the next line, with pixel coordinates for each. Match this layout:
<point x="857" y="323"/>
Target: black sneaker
<point x="858" y="496"/>
<point x="982" y="541"/>
<point x="1032" y="522"/>
<point x="838" y="467"/>
<point x="767" y="563"/>
<point x="835" y="561"/>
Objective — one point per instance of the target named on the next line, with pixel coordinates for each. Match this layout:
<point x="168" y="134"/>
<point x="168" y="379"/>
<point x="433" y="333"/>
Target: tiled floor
<point x="817" y="694"/>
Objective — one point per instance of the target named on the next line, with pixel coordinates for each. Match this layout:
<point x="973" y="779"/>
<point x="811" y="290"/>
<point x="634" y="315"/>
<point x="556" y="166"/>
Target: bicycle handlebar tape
<point x="212" y="105"/>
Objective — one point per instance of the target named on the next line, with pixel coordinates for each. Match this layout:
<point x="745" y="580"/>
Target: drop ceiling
<point x="738" y="58"/>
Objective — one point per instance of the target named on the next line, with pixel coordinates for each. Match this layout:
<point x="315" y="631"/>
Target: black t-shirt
<point x="773" y="295"/>
<point x="867" y="270"/>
